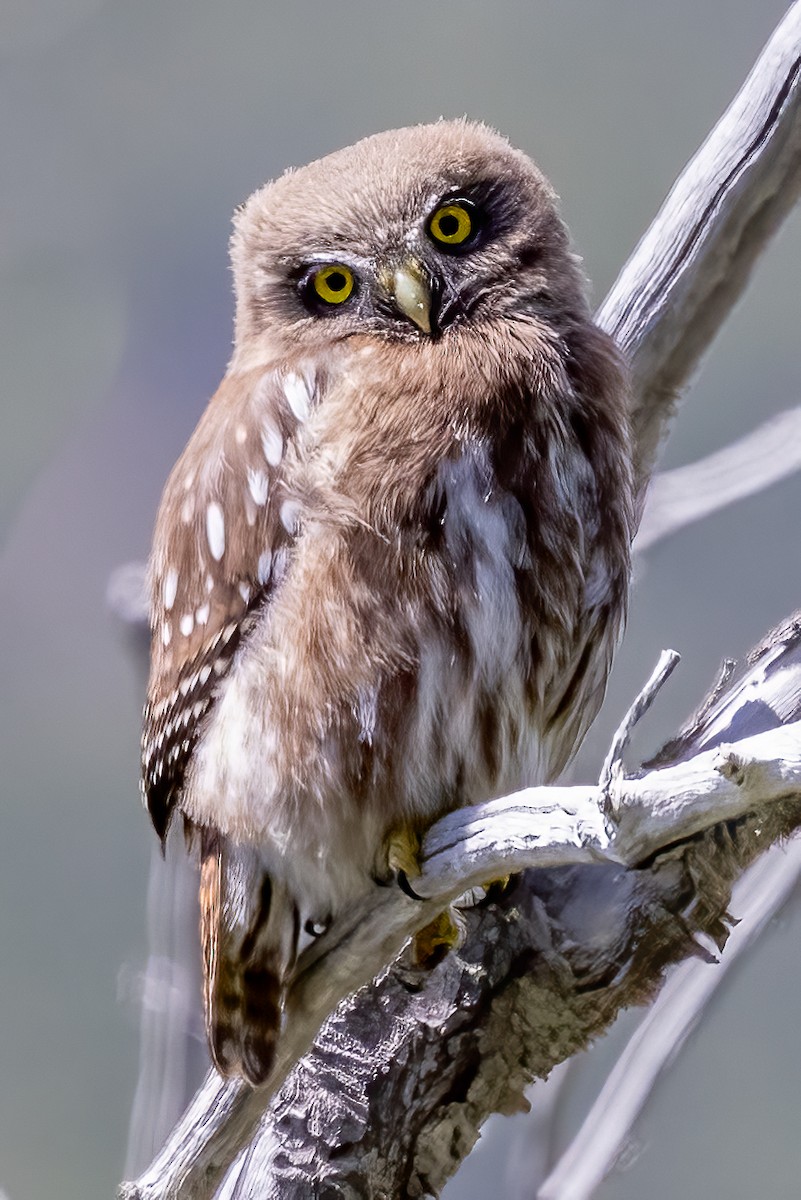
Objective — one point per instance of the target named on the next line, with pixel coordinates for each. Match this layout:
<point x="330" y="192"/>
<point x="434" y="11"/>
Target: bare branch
<point x="754" y="463"/>
<point x="540" y="827"/>
<point x="612" y="770"/>
<point x="694" y="262"/>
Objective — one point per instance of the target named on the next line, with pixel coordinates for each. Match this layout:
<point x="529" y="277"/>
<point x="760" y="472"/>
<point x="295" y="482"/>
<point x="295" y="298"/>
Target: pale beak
<point x="413" y="295"/>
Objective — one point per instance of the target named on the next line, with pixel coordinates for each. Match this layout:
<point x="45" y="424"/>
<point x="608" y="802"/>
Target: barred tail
<point x="249" y="933"/>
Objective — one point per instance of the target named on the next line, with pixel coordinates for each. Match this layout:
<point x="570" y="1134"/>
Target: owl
<point x="390" y="567"/>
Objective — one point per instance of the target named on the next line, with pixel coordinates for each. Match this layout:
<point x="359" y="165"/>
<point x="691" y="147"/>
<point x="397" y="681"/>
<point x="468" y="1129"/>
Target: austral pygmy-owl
<point x="391" y="565"/>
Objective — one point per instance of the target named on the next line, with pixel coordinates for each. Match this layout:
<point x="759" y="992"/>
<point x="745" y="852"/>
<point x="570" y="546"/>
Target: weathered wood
<point x="756" y="899"/>
<point x="694" y="261"/>
<point x="533" y="958"/>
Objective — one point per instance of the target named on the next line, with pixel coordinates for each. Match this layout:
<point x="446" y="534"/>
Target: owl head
<point x="408" y="235"/>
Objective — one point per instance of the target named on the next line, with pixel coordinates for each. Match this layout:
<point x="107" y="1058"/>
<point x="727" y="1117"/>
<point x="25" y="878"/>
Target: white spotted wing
<point x="221" y="542"/>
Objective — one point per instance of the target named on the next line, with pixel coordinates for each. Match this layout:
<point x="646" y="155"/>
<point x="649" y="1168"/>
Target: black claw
<point x="405" y="886"/>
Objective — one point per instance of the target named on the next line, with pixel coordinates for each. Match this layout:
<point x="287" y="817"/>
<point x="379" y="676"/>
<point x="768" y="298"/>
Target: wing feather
<point x="218" y="551"/>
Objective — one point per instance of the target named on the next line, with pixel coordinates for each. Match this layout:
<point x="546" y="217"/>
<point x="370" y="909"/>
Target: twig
<point x="612" y="770"/>
<point x="688" y="494"/>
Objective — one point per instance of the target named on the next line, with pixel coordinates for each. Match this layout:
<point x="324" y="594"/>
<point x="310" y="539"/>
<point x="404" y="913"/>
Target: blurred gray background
<point x="129" y="132"/>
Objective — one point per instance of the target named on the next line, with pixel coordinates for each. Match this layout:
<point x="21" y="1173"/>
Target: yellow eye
<point x="452" y="225"/>
<point x="333" y="284"/>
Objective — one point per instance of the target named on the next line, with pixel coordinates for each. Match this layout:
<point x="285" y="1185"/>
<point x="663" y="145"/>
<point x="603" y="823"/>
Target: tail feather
<point x="249" y="932"/>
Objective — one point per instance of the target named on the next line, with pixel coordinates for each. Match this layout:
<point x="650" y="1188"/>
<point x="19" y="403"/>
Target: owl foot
<point x="403" y="850"/>
<point x="446" y="932"/>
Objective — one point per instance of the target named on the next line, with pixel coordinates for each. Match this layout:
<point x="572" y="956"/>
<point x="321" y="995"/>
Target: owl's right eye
<point x="329" y="286"/>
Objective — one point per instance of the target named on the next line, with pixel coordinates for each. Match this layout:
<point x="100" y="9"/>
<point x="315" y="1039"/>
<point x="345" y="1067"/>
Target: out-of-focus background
<point x="129" y="133"/>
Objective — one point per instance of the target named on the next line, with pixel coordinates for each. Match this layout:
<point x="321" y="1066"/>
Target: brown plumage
<point x="391" y="566"/>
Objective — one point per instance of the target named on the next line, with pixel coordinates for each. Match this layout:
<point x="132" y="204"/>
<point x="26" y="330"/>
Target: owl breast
<point x="391" y="680"/>
<point x="474" y="731"/>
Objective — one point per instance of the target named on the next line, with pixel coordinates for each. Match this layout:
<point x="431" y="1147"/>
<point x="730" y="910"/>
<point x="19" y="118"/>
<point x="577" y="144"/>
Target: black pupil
<point x="337" y="281"/>
<point x="448" y="225"/>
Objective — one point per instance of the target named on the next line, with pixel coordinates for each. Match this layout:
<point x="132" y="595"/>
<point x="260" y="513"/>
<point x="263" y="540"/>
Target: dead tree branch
<point x="553" y="961"/>
<point x="695" y="260"/>
<point x="688" y="494"/>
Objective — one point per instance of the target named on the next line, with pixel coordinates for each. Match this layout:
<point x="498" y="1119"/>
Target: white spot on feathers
<point x="297" y="394"/>
<point x="290" y="515"/>
<point x="258" y="485"/>
<point x="166" y="633"/>
<point x="202" y="614"/>
<point x="272" y="443"/>
<point x="366" y="712"/>
<point x="263" y="569"/>
<point x="215" y="530"/>
<point x="186" y="624"/>
<point x="169" y="588"/>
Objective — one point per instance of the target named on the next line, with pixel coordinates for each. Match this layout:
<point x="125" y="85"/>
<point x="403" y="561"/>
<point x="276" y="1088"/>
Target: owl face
<point x="404" y="236"/>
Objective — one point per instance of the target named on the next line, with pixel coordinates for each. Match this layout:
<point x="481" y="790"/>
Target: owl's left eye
<point x="455" y="226"/>
<point x="333" y="284"/>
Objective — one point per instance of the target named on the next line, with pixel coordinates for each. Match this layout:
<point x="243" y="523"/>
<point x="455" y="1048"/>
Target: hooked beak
<point x="412" y="294"/>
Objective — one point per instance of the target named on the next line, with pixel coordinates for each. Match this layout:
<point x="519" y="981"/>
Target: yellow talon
<point x="446" y="932"/>
<point x="403" y="851"/>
